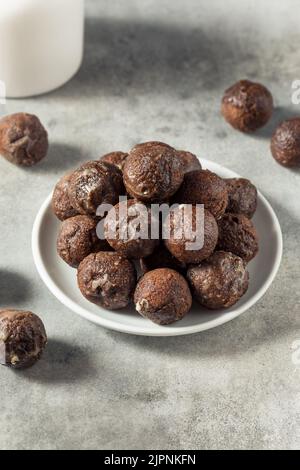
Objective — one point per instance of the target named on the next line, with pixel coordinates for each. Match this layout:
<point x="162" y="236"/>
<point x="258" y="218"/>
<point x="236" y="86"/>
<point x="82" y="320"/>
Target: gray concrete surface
<point x="156" y="70"/>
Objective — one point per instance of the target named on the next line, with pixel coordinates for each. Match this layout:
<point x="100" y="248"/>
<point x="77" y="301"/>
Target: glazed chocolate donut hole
<point x="23" y="139"/>
<point x="204" y="187"/>
<point x="163" y="296"/>
<point x="242" y="196"/>
<point x="95" y="183"/>
<point x="61" y="204"/>
<point x="247" y="106"/>
<point x="285" y="143"/>
<point x="180" y="245"/>
<point x="22" y="338"/>
<point x="219" y="281"/>
<point x="238" y="235"/>
<point x="122" y="233"/>
<point x="152" y="172"/>
<point x="107" y="279"/>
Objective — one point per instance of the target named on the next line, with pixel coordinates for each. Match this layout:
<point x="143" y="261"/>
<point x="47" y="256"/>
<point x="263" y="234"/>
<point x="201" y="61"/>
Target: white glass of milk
<point x="41" y="44"/>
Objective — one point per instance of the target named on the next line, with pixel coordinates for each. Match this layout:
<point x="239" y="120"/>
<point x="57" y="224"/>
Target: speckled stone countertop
<point x="157" y="70"/>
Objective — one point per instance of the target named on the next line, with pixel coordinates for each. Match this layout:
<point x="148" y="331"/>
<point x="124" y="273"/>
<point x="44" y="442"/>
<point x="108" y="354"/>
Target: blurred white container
<point x="41" y="44"/>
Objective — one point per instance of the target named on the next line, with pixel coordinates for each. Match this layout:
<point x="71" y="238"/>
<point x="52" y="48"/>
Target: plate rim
<point x="161" y="330"/>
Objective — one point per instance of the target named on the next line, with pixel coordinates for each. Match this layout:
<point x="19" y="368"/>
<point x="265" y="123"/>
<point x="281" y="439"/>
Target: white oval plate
<point x="61" y="279"/>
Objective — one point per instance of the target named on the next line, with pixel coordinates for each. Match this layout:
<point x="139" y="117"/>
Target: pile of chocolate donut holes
<point x="160" y="276"/>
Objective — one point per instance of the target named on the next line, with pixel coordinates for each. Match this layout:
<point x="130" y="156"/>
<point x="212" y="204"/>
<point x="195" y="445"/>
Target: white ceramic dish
<point x="61" y="279"/>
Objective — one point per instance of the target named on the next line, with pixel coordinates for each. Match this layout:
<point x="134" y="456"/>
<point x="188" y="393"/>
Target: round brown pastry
<point x="247" y="106"/>
<point x="189" y="161"/>
<point x="161" y="258"/>
<point x="115" y="158"/>
<point x="77" y="238"/>
<point x="204" y="187"/>
<point x="107" y="279"/>
<point x="150" y="144"/>
<point x="163" y="296"/>
<point x="219" y="281"/>
<point x="23" y="139"/>
<point x="238" y="235"/>
<point x="94" y="183"/>
<point x="179" y="244"/>
<point x="285" y="143"/>
<point x="127" y="229"/>
<point x="242" y="196"/>
<point x="22" y="338"/>
<point x="61" y="205"/>
<point x="152" y="172"/>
